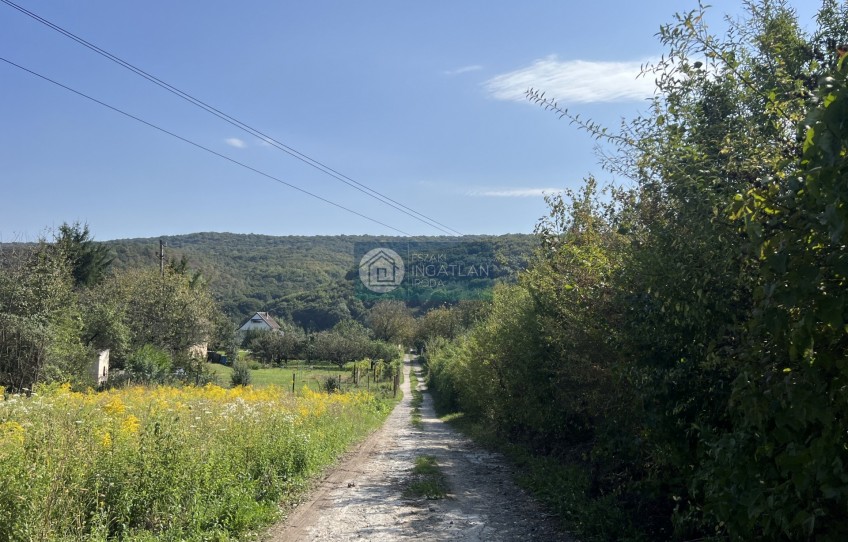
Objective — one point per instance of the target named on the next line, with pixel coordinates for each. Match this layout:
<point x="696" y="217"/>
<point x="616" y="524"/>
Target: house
<point x="261" y="321"/>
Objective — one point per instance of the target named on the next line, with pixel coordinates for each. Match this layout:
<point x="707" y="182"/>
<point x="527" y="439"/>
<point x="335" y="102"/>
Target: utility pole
<point x="162" y="257"/>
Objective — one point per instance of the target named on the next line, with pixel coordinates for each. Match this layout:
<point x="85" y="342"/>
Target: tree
<point x="88" y="261"/>
<point x="39" y="320"/>
<point x="149" y="364"/>
<point x="279" y="346"/>
<point x="104" y="319"/>
<point x="788" y="407"/>
<point x="391" y="321"/>
<point x="330" y="346"/>
<point x="348" y="341"/>
<point x="164" y="311"/>
<point x="439" y="322"/>
<point x="702" y="311"/>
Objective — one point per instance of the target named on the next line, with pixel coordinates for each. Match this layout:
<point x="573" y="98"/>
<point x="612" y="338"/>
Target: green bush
<point x="149" y="364"/>
<point x="332" y="384"/>
<point x="241" y="374"/>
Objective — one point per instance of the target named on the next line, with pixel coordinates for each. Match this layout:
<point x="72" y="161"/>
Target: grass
<point x="427" y="480"/>
<point x="312" y="376"/>
<point x="163" y="463"/>
<point x="417" y="400"/>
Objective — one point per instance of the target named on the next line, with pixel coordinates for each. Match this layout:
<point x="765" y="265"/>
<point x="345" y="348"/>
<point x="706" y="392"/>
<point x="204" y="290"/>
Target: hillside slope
<point x="304" y="278"/>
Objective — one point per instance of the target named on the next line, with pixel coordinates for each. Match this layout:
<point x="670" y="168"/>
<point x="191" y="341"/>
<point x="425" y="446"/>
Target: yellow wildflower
<point x="106" y="440"/>
<point x="115" y="406"/>
<point x="12" y="431"/>
<point x="130" y="425"/>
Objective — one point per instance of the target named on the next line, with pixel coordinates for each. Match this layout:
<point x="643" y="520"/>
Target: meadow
<point x="166" y="463"/>
<point x="311" y="375"/>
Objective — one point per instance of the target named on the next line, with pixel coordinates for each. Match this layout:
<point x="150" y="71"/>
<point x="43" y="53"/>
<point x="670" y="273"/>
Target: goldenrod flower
<point x="130" y="425"/>
<point x="115" y="406"/>
<point x="12" y="431"/>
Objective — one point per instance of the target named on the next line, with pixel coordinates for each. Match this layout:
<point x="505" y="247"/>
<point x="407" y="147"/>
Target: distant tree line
<point x="308" y="281"/>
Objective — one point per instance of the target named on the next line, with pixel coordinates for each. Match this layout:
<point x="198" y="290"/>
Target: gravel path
<point x="361" y="499"/>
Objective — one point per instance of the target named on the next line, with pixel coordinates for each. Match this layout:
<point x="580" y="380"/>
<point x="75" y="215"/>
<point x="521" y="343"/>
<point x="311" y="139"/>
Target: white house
<point x="261" y="321"/>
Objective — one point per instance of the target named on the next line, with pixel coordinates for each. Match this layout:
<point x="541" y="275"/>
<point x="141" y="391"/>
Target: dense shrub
<point x="678" y="352"/>
<point x="241" y="374"/>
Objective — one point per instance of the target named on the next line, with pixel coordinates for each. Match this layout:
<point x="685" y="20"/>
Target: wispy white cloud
<point x="464" y="69"/>
<point x="575" y="81"/>
<point x="514" y="192"/>
<point x="235" y="142"/>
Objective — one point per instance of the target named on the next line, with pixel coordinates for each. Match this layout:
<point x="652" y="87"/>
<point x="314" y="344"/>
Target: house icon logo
<point x="381" y="270"/>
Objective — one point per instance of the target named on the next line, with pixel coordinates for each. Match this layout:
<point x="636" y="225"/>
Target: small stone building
<point x="100" y="367"/>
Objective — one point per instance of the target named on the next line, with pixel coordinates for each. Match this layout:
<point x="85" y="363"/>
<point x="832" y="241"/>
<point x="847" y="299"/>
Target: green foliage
<point x="39" y="319"/>
<point x="333" y="384"/>
<point x="241" y="374"/>
<point x="305" y="280"/>
<point x="88" y="261"/>
<point x="165" y="311"/>
<point x="788" y="402"/>
<point x="392" y="322"/>
<point x="278" y="346"/>
<point x="347" y="342"/>
<point x="448" y="322"/>
<point x="149" y="365"/>
<point x="163" y="463"/>
<point x="680" y="350"/>
<point x="58" y="308"/>
<point x="105" y="324"/>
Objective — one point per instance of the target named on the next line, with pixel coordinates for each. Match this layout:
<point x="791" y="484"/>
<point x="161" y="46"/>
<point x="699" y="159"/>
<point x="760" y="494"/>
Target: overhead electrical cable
<point x="207" y="149"/>
<point x="243" y="126"/>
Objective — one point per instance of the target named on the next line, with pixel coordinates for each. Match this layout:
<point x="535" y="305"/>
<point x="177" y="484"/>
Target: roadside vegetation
<point x="159" y="451"/>
<point x="416" y="401"/>
<point x="165" y="463"/>
<point x="672" y="366"/>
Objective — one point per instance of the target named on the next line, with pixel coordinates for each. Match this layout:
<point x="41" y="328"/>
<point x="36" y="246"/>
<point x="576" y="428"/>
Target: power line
<point x="242" y="126"/>
<point x="199" y="146"/>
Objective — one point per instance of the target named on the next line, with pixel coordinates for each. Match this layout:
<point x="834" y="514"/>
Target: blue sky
<point x="420" y="101"/>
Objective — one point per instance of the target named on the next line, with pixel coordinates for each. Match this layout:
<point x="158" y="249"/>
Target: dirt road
<point x="362" y="498"/>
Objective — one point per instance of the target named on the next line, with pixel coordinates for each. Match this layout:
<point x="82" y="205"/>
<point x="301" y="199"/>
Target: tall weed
<point x="194" y="463"/>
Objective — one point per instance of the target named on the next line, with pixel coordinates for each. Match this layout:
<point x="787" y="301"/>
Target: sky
<point x="422" y="102"/>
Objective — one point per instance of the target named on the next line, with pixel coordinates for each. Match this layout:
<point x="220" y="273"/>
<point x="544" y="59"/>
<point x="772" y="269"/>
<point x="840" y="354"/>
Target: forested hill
<point x="296" y="277"/>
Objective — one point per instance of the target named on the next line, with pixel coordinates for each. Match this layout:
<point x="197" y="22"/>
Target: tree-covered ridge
<point x="307" y="279"/>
